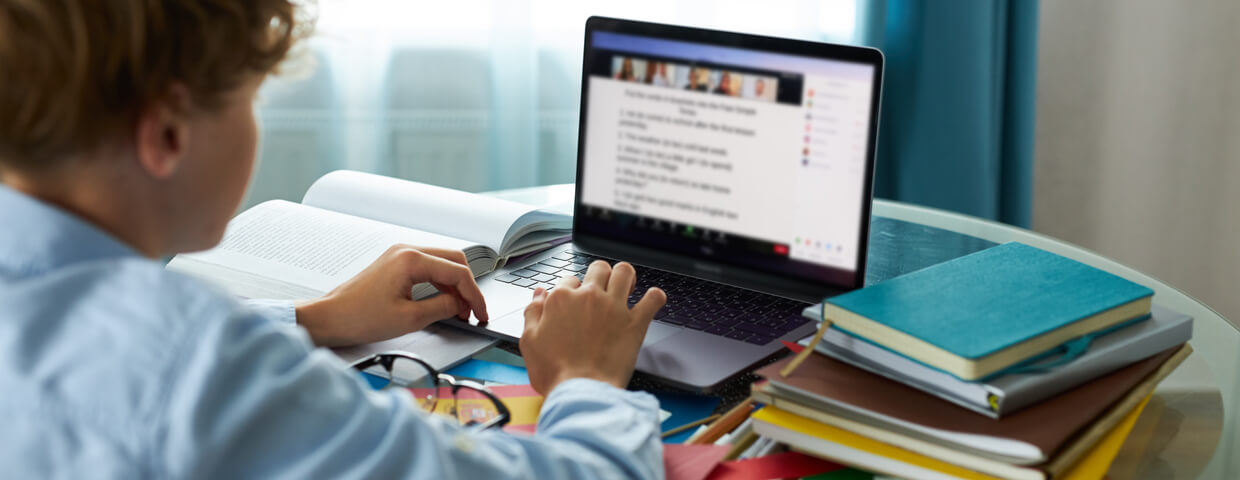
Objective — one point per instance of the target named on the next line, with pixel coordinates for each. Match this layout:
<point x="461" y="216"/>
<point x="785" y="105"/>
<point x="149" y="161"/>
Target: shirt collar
<point x="36" y="237"/>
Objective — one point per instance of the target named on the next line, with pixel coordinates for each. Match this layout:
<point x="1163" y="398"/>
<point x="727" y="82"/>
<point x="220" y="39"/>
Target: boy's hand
<point x="376" y="305"/>
<point x="585" y="329"/>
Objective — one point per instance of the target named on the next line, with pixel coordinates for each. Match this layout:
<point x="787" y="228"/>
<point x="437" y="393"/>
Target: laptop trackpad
<point x="656" y="332"/>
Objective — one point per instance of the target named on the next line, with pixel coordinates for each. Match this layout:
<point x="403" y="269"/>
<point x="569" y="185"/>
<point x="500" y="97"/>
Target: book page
<point x="315" y="250"/>
<point x="496" y="223"/>
<point x="241" y="283"/>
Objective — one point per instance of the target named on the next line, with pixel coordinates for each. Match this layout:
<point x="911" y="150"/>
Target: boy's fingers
<point x="437" y="270"/>
<point x="622" y="279"/>
<point x="533" y="311"/>
<point x="598" y="274"/>
<point x="650" y="303"/>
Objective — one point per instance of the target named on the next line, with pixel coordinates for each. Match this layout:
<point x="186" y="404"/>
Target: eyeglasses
<point x="471" y="403"/>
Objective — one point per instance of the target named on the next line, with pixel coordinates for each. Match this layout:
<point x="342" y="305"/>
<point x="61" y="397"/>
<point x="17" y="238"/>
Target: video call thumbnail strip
<point x="732" y="81"/>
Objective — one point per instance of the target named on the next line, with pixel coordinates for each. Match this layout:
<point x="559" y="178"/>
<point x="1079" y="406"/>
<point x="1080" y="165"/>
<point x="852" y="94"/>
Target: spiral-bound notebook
<point x="981" y="313"/>
<point x="1006" y="394"/>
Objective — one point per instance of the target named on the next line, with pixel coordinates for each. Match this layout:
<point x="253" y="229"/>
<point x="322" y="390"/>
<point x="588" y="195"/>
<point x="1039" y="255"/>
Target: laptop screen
<point x="752" y="157"/>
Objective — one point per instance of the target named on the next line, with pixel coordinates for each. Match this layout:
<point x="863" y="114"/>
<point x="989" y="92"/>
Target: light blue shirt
<point x="113" y="367"/>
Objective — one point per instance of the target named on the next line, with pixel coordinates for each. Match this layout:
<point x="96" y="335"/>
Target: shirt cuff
<point x="281" y="311"/>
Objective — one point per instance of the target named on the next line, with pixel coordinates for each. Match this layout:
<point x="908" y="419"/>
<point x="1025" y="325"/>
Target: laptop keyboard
<point x="711" y="307"/>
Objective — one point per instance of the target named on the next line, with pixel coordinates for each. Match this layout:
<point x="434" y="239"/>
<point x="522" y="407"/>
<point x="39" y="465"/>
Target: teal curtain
<point x="958" y="103"/>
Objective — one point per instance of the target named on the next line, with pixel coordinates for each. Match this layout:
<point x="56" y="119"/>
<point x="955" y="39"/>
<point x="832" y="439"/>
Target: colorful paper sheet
<point x="491" y="372"/>
<point x="685" y="408"/>
<point x="523" y="404"/>
<point x="780" y="465"/>
<point x="691" y="462"/>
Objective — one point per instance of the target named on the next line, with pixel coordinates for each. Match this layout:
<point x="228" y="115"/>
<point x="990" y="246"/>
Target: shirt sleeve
<point x="256" y="400"/>
<point x="283" y="311"/>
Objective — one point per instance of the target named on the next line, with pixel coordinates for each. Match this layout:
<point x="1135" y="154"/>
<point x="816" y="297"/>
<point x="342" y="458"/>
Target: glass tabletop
<point x="1188" y="429"/>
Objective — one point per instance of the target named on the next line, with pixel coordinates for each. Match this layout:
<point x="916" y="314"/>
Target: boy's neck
<point x="102" y="197"/>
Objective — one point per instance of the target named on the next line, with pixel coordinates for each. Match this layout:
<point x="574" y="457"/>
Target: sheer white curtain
<point x="473" y="94"/>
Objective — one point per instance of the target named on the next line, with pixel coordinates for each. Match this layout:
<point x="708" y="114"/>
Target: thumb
<point x="433" y="309"/>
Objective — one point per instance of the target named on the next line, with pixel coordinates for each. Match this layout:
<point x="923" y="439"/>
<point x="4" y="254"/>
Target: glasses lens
<point x="472" y="407"/>
<point x="420" y="382"/>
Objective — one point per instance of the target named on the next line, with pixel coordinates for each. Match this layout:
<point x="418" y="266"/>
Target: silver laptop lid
<point x="737" y="158"/>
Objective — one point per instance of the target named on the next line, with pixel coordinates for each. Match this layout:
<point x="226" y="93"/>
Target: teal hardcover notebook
<point x="984" y="312"/>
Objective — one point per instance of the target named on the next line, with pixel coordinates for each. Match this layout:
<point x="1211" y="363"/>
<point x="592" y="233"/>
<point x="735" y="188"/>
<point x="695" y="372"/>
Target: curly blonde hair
<point x="74" y="73"/>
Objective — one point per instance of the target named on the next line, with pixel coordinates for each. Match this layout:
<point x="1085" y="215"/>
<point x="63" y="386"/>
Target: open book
<point x="285" y="250"/>
<point x="288" y="251"/>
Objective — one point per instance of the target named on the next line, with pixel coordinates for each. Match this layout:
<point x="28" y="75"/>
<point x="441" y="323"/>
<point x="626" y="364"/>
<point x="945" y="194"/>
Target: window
<point x="472" y="94"/>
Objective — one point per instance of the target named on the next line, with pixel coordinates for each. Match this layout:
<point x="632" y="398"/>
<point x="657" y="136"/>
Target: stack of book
<point x="1012" y="362"/>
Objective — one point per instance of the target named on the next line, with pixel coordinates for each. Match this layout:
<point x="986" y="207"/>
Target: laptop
<point x="733" y="171"/>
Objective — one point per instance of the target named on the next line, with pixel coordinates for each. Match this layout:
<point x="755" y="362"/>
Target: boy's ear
<point x="163" y="133"/>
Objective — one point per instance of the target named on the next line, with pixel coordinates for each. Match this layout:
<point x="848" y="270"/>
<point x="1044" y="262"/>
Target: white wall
<point x="1138" y="146"/>
<point x="1138" y="138"/>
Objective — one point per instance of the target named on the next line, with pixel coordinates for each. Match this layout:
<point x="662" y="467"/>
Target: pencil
<point x="727" y="423"/>
<point x="690" y="425"/>
<point x="746" y="440"/>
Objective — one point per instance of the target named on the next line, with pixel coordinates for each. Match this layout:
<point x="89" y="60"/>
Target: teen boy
<point x="127" y="134"/>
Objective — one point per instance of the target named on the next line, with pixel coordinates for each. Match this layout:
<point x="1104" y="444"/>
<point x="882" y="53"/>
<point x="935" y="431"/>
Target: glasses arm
<point x="499" y="420"/>
<point x="387" y="358"/>
<point x="365" y="363"/>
